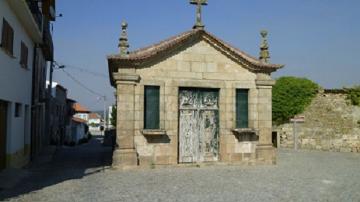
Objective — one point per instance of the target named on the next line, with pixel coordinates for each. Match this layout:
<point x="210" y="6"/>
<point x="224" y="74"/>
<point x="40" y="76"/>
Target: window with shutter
<point x="3" y="35"/>
<point x="152" y="107"/>
<point x="7" y="37"/>
<point x="24" y="55"/>
<point x="242" y="108"/>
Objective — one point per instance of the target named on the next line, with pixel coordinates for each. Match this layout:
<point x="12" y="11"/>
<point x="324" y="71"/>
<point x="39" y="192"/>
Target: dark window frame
<point x="7" y="38"/>
<point x="18" y="109"/>
<point x="24" y="55"/>
<point x="242" y="107"/>
<point x="151" y="107"/>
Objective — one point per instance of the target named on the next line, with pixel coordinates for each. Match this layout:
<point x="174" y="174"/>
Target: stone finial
<point x="199" y="3"/>
<point x="264" y="48"/>
<point x="123" y="41"/>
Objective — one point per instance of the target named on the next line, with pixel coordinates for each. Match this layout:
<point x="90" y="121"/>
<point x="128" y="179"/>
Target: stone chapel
<point x="192" y="99"/>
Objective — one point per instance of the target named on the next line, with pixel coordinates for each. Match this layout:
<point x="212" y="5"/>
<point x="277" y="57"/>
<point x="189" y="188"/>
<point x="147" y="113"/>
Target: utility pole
<point x="104" y="113"/>
<point x="104" y="97"/>
<point x="49" y="96"/>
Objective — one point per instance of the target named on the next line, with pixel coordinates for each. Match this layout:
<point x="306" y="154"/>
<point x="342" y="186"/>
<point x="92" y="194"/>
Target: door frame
<point x="3" y="131"/>
<point x="195" y="88"/>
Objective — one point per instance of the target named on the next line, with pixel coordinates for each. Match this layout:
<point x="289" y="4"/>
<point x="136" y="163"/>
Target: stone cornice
<point x="128" y="78"/>
<point x="265" y="82"/>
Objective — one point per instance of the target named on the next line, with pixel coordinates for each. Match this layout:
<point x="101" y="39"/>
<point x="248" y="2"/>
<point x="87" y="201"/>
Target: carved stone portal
<point x="199" y="125"/>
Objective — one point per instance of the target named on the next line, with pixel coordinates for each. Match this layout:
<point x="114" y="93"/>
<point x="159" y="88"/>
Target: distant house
<point x="77" y="127"/>
<point x="69" y="115"/>
<point x="94" y="122"/>
<point x="79" y="130"/>
<point x="81" y="112"/>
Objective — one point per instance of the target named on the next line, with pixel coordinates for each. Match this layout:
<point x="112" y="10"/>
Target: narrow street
<point x="69" y="163"/>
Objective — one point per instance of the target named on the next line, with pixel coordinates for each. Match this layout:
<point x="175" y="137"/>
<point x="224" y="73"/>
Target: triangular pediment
<point x="172" y="46"/>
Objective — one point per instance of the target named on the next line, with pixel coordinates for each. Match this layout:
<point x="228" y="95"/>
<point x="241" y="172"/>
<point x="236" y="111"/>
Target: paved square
<point x="298" y="176"/>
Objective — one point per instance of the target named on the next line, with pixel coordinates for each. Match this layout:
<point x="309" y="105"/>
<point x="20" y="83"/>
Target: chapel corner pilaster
<point x="264" y="84"/>
<point x="125" y="155"/>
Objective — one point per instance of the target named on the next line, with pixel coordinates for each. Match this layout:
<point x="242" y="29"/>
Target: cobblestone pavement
<point x="298" y="176"/>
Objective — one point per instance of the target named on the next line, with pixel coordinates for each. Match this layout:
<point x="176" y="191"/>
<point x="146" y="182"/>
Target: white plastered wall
<point x="16" y="82"/>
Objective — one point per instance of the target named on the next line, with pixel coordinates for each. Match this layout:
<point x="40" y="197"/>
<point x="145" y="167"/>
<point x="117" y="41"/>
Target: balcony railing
<point x="35" y="10"/>
<point x="48" y="46"/>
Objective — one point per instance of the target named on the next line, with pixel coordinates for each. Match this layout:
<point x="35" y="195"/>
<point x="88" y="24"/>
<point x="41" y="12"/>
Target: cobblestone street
<point x="83" y="174"/>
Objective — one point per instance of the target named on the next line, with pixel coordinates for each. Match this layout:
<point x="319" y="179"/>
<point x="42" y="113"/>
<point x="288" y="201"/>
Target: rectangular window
<point x="7" y="38"/>
<point x="152" y="107"/>
<point x="242" y="108"/>
<point x="17" y="109"/>
<point x="24" y="55"/>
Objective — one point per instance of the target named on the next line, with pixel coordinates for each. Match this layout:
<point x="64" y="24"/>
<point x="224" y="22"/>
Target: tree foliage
<point x="353" y="94"/>
<point x="291" y="96"/>
<point x="113" y="116"/>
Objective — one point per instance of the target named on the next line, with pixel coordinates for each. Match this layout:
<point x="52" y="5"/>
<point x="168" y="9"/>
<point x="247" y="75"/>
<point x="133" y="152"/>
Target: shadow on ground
<point x="68" y="163"/>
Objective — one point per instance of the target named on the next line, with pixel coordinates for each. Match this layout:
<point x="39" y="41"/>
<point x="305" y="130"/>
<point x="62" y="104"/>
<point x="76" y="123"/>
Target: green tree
<point x="291" y="96"/>
<point x="113" y="116"/>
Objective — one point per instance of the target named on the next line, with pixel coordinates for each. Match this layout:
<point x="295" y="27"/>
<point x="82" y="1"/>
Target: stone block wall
<point x="331" y="124"/>
<point x="199" y="66"/>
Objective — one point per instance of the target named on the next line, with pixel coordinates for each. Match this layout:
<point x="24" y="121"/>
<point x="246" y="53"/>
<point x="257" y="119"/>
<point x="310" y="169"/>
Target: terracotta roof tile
<point x="79" y="108"/>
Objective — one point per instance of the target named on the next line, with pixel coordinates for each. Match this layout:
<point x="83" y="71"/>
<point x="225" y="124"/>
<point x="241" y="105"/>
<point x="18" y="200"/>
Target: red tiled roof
<point x="142" y="56"/>
<point x="78" y="120"/>
<point x="79" y="108"/>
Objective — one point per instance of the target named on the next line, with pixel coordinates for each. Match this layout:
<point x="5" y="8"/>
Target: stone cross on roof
<point x="199" y="3"/>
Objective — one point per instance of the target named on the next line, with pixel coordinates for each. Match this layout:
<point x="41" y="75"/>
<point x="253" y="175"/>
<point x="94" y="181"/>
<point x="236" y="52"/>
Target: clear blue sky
<point x="317" y="39"/>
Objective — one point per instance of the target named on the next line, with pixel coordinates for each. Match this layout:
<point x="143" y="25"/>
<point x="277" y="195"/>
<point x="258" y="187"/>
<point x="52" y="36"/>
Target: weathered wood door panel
<point x="208" y="132"/>
<point x="199" y="125"/>
<point x="3" y="123"/>
<point x="189" y="143"/>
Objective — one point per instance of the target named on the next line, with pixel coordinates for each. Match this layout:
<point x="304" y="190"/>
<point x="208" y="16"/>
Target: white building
<point x="19" y="36"/>
<point x="79" y="130"/>
<point x="94" y="122"/>
<point x="109" y="117"/>
<point x="81" y="112"/>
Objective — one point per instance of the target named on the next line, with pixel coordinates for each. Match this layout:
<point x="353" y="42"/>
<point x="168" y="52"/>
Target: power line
<point x="81" y="84"/>
<point x="87" y="71"/>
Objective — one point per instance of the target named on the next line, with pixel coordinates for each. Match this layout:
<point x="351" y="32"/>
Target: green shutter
<point x="152" y="107"/>
<point x="242" y="108"/>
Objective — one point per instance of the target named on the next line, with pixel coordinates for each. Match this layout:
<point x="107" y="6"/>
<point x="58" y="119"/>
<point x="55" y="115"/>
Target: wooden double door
<point x="3" y="123"/>
<point x="198" y="125"/>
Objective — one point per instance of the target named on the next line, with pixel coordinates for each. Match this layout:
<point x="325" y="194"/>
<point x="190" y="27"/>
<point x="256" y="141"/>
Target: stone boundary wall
<point x="331" y="124"/>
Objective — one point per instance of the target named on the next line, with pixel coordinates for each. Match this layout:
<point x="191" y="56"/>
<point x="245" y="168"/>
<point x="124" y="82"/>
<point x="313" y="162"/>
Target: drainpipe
<point x="33" y="105"/>
<point x="49" y="98"/>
